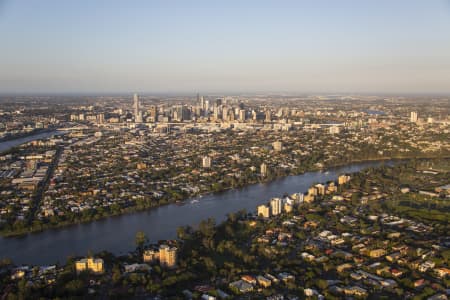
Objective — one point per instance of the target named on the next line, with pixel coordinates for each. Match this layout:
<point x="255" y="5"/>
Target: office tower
<point x="167" y="256"/>
<point x="225" y="113"/>
<point x="413" y="117"/>
<point x="101" y="118"/>
<point x="206" y="107"/>
<point x="231" y="115"/>
<point x="268" y="116"/>
<point x="153" y="113"/>
<point x="181" y="113"/>
<point x="206" y="162"/>
<point x="263" y="170"/>
<point x="139" y="118"/>
<point x="277" y="146"/>
<point x="185" y="113"/>
<point x="136" y="108"/>
<point x="254" y="115"/>
<point x="275" y="206"/>
<point x="242" y="115"/>
<point x="264" y="211"/>
<point x="216" y="112"/>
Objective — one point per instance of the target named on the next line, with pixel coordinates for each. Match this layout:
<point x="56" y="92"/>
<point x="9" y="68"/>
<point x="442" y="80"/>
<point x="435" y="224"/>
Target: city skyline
<point x="53" y="47"/>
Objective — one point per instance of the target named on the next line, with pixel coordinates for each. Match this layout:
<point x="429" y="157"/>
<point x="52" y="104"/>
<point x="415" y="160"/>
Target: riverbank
<point x="134" y="209"/>
<point x="10" y="143"/>
<point x="160" y="223"/>
<point x="14" y="137"/>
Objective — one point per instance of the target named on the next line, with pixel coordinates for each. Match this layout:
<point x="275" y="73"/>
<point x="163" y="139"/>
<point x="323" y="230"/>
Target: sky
<point x="316" y="46"/>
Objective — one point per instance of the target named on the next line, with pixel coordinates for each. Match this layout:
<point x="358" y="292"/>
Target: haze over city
<point x="345" y="46"/>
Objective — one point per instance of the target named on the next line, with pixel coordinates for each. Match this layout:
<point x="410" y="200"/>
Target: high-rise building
<point x="136" y="105"/>
<point x="268" y="116"/>
<point x="139" y="118"/>
<point x="167" y="256"/>
<point x="275" y="206"/>
<point x="263" y="170"/>
<point x="216" y="112"/>
<point x="206" y="108"/>
<point x="225" y="113"/>
<point x="414" y="117"/>
<point x="153" y="113"/>
<point x="185" y="113"/>
<point x="206" y="162"/>
<point x="101" y="118"/>
<point x="264" y="211"/>
<point x="181" y="113"/>
<point x="242" y="115"/>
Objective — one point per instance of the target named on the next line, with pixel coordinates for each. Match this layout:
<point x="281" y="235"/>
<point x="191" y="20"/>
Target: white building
<point x="275" y="206"/>
<point x="263" y="170"/>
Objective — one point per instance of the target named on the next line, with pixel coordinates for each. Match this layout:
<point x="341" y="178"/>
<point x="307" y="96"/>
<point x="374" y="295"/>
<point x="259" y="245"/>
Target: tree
<point x="116" y="274"/>
<point x="140" y="239"/>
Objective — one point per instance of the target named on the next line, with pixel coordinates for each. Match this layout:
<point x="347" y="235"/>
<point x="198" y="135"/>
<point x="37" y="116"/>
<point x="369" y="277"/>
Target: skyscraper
<point x="275" y="206"/>
<point x="242" y="115"/>
<point x="268" y="116"/>
<point x="137" y="115"/>
<point x="413" y="117"/>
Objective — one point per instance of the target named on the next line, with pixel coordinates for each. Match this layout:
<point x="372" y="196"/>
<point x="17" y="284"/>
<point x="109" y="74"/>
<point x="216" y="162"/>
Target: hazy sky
<point x="85" y="46"/>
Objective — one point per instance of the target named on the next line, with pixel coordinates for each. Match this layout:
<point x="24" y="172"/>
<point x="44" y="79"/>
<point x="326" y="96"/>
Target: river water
<point x="116" y="234"/>
<point x="6" y="145"/>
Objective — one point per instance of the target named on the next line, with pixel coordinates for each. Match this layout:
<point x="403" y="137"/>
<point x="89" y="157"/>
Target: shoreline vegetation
<point x="135" y="209"/>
